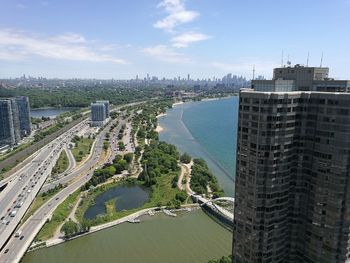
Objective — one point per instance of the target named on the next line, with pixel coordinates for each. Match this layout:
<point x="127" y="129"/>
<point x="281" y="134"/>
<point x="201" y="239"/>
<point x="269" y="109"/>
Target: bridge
<point x="210" y="203"/>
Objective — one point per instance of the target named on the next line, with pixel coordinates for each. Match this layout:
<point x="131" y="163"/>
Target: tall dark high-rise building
<point x="24" y="115"/>
<point x="7" y="133"/>
<point x="292" y="201"/>
<point x="15" y="120"/>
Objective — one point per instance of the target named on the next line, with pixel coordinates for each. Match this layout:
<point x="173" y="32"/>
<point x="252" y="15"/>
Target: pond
<point x="126" y="197"/>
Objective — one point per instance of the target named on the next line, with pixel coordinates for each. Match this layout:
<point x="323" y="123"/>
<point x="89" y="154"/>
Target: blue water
<point x="207" y="130"/>
<point x="127" y="197"/>
<point x="48" y="112"/>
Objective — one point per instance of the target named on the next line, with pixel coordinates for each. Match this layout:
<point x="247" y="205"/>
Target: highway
<point x="17" y="246"/>
<point x="25" y="184"/>
<point x="21" y="190"/>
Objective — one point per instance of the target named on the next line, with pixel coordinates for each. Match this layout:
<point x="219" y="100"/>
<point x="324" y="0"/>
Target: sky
<point x="168" y="38"/>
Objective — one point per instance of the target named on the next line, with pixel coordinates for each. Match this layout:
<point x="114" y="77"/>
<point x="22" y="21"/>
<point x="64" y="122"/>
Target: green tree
<point x="121" y="146"/>
<point x="182" y="196"/>
<point x="105" y="146"/>
<point x="70" y="229"/>
<point x="128" y="157"/>
<point x="185" y="158"/>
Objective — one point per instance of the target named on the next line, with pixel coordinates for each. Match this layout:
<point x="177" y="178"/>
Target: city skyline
<point x="169" y="38"/>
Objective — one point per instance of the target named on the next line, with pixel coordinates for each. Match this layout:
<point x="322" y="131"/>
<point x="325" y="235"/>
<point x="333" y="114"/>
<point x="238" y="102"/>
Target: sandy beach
<point x="178" y="103"/>
<point x="161" y="115"/>
<point x="159" y="128"/>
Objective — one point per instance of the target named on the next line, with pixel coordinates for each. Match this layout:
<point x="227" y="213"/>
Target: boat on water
<point x="134" y="221"/>
<point x="150" y="213"/>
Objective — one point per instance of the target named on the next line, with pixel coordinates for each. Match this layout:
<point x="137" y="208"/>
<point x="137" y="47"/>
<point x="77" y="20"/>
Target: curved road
<point x="17" y="247"/>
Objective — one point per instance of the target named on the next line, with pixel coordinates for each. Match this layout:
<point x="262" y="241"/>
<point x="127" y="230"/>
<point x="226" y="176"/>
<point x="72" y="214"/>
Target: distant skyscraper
<point x="188" y="77"/>
<point x="24" y="115"/>
<point x="292" y="182"/>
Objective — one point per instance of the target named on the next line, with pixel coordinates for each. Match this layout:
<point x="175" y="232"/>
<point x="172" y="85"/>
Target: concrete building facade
<point x="292" y="201"/>
<point x="106" y="103"/>
<point x="98" y="114"/>
<point x="301" y="78"/>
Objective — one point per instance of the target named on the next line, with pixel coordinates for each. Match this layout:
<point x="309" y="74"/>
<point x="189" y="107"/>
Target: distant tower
<point x="254" y="72"/>
<point x="188" y="77"/>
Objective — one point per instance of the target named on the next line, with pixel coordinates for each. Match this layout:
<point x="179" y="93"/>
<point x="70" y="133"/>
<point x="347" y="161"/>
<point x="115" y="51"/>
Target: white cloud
<point x="66" y="46"/>
<point x="166" y="54"/>
<point x="177" y="15"/>
<point x="187" y="38"/>
<point x="20" y="6"/>
<point x="70" y="38"/>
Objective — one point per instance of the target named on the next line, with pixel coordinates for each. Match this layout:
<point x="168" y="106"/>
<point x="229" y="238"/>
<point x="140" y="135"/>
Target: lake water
<point x="127" y="197"/>
<point x="49" y="112"/>
<point x="190" y="237"/>
<point x="208" y="130"/>
<point x="203" y="129"/>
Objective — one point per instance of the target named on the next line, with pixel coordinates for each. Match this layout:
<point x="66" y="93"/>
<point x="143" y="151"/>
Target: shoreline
<point x="178" y="103"/>
<point x="126" y="219"/>
<point x="161" y="115"/>
<point x="159" y="128"/>
<point x="205" y="152"/>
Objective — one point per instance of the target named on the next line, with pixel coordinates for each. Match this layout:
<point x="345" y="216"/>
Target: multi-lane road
<point x="20" y="191"/>
<point x="17" y="246"/>
<point x="25" y="184"/>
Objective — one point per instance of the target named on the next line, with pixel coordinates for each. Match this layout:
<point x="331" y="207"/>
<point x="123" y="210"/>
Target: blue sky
<point x="123" y="38"/>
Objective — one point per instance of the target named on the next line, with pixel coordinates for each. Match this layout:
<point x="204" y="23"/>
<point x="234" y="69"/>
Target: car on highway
<point x="21" y="237"/>
<point x="7" y="250"/>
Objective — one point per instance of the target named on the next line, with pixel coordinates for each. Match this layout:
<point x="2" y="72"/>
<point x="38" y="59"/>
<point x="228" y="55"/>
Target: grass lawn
<point x="58" y="217"/>
<point x="61" y="164"/>
<point x="82" y="149"/>
<point x="39" y="201"/>
<point x="163" y="192"/>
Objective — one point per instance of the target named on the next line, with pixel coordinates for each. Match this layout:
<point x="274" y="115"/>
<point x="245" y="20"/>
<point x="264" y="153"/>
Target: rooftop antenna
<point x="307" y="61"/>
<point x="282" y="59"/>
<point x="321" y="60"/>
<point x="253" y="71"/>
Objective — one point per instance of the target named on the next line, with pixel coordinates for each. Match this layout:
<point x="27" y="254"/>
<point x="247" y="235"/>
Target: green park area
<point x="82" y="147"/>
<point x="61" y="164"/>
